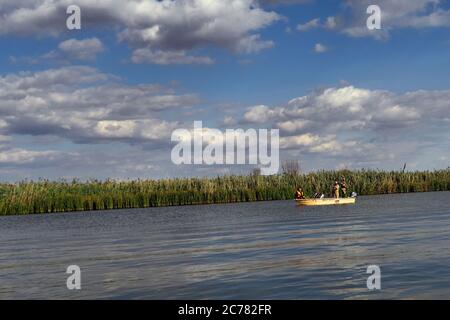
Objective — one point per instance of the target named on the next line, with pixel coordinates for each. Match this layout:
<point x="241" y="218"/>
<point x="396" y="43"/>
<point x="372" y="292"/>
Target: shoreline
<point x="202" y="204"/>
<point x="51" y="197"/>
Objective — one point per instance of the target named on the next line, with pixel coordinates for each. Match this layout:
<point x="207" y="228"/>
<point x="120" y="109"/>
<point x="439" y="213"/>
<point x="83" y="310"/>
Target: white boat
<point x="325" y="201"/>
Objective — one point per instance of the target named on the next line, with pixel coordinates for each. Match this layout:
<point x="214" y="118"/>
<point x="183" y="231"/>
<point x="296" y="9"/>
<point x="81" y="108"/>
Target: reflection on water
<point x="264" y="250"/>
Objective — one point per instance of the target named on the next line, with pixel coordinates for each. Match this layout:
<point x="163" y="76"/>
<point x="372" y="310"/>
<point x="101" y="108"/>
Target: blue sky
<point x="371" y="99"/>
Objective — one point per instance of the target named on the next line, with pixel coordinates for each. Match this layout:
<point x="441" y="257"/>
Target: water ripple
<point x="264" y="250"/>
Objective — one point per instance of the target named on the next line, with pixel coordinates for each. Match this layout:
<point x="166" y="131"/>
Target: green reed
<point x="45" y="196"/>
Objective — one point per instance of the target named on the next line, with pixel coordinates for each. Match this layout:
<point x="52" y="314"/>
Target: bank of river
<point x="62" y="196"/>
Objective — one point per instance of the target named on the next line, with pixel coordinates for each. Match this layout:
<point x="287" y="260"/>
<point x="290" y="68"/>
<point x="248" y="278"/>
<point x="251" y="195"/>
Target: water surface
<point x="263" y="250"/>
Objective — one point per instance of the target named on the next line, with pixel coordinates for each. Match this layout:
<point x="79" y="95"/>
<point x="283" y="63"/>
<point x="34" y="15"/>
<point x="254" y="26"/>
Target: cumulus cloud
<point x="168" y="57"/>
<point x="159" y="26"/>
<point x="18" y="157"/>
<point x="151" y="129"/>
<point x="259" y="114"/>
<point x="356" y="124"/>
<point x="84" y="105"/>
<point x="229" y="121"/>
<point x="284" y="2"/>
<point x="306" y="139"/>
<point x="292" y="126"/>
<point x="309" y="25"/>
<point x="395" y="14"/>
<point x="68" y="51"/>
<point x="361" y="107"/>
<point x="86" y="49"/>
<point x="329" y="23"/>
<point x="320" y="48"/>
<point x="345" y="125"/>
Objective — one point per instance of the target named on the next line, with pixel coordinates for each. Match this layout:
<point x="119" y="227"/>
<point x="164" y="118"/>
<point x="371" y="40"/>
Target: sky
<point x="103" y="101"/>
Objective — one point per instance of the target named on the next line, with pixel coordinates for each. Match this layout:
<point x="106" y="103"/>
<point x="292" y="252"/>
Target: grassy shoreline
<point x="46" y="196"/>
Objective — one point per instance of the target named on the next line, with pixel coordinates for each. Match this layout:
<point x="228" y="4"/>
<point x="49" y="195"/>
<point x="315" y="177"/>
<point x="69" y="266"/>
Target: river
<point x="261" y="250"/>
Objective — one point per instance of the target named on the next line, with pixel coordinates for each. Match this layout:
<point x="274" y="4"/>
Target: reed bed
<point x="44" y="196"/>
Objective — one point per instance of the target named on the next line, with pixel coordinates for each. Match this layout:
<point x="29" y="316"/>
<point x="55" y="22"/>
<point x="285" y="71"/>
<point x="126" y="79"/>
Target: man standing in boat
<point x="344" y="187"/>
<point x="335" y="190"/>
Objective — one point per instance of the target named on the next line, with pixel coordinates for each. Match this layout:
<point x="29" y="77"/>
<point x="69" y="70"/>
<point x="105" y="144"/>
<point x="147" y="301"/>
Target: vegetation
<point x="45" y="196"/>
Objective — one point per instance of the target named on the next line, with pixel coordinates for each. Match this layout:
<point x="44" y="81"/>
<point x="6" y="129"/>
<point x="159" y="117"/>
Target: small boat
<point x="325" y="201"/>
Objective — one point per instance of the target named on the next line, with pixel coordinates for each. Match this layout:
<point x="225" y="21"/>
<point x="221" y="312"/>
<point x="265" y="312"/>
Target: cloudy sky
<point x="103" y="101"/>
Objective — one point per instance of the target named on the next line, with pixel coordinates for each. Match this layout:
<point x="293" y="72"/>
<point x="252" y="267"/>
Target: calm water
<point x="265" y="250"/>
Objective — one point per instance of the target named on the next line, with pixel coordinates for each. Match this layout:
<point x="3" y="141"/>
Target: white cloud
<point x="396" y="114"/>
<point x="168" y="57"/>
<point x="292" y="126"/>
<point x="86" y="49"/>
<point x="229" y="121"/>
<point x="20" y="157"/>
<point x="306" y="139"/>
<point x="396" y="14"/>
<point x="320" y="48"/>
<point x="314" y="23"/>
<point x="252" y="44"/>
<point x="259" y="114"/>
<point x="151" y="129"/>
<point x="68" y="51"/>
<point x="160" y="26"/>
<point x="284" y="2"/>
<point x="362" y="107"/>
<point x="350" y="125"/>
<point x="85" y="105"/>
<point x="363" y="127"/>
<point x="331" y="23"/>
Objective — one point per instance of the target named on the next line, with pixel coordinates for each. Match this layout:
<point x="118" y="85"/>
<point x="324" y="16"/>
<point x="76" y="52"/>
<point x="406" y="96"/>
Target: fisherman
<point x="344" y="187"/>
<point x="335" y="190"/>
<point x="299" y="194"/>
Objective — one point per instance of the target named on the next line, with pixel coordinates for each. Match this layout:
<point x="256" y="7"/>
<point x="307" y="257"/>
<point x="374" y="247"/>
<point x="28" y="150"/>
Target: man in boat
<point x="344" y="187"/>
<point x="299" y="194"/>
<point x="335" y="190"/>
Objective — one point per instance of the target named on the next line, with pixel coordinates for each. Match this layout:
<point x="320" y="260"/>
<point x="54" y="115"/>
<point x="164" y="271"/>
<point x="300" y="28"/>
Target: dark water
<point x="266" y="250"/>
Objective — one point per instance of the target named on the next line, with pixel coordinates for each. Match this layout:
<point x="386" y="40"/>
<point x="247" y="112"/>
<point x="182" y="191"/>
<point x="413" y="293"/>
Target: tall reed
<point x="44" y="196"/>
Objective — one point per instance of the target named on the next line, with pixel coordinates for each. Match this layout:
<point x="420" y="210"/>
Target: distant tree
<point x="291" y="167"/>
